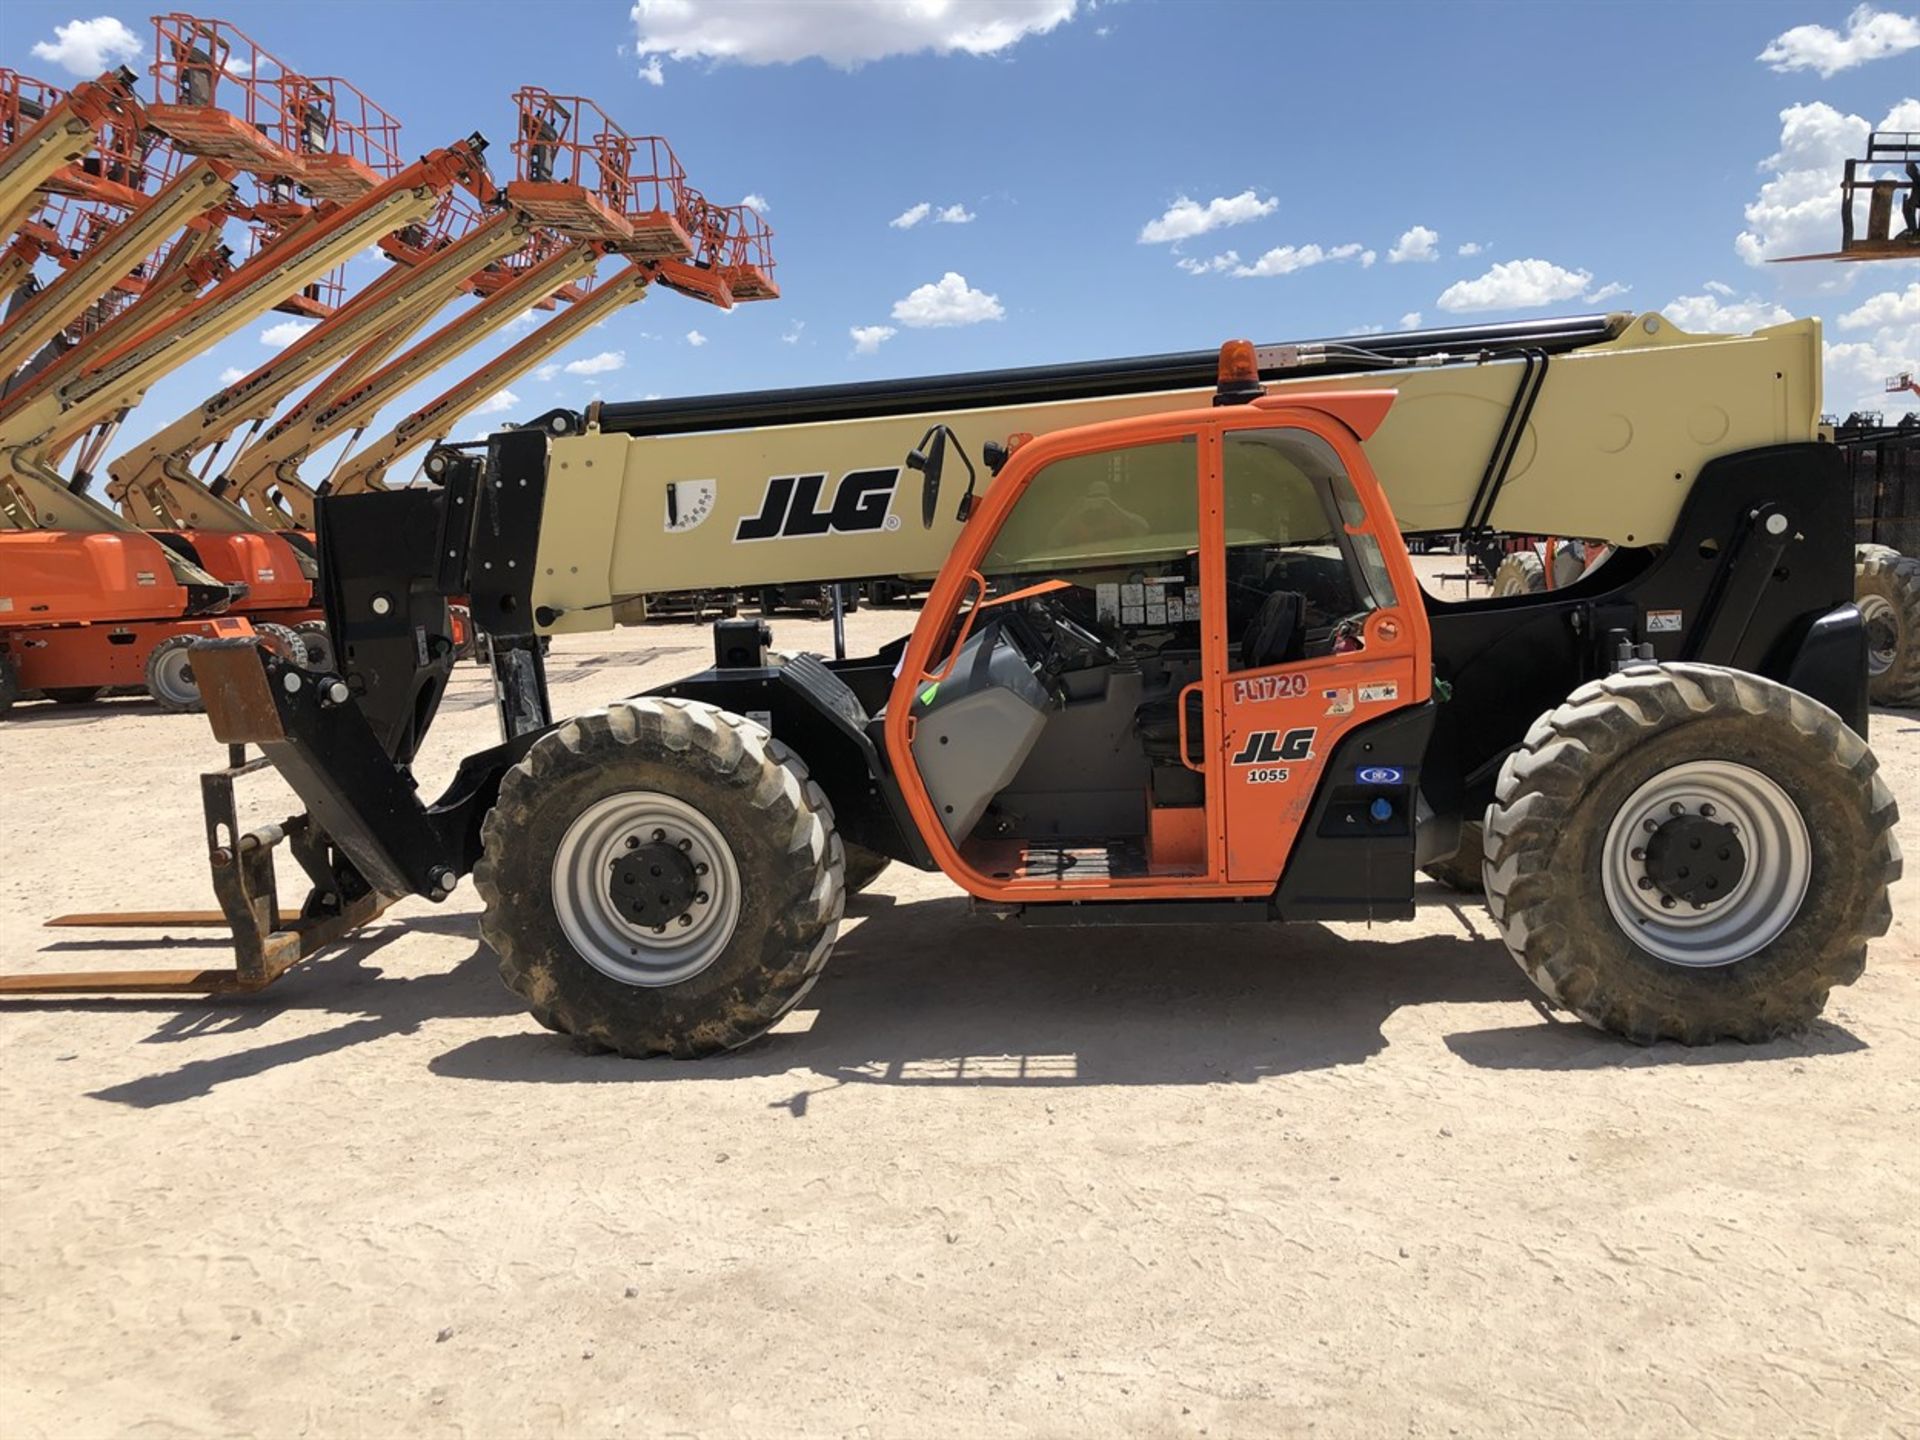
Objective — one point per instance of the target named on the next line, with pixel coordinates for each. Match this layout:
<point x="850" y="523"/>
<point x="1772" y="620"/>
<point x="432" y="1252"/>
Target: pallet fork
<point x="268" y="940"/>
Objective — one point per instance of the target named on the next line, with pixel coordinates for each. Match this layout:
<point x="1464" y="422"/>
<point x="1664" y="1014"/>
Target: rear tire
<point x="1886" y="585"/>
<point x="1461" y="870"/>
<point x="9" y="684"/>
<point x="283" y="641"/>
<point x="1522" y="573"/>
<point x="1572" y="834"/>
<point x="170" y="679"/>
<point x="319" y="646"/>
<point x="621" y="793"/>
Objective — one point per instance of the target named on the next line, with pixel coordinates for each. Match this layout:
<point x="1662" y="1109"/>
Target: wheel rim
<point x="1693" y="799"/>
<point x="1883" y="633"/>
<point x="319" y="649"/>
<point x="614" y="844"/>
<point x="173" y="678"/>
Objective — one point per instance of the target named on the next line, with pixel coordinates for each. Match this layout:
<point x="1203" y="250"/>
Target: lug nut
<point x="700" y="868"/>
<point x="1638" y="853"/>
<point x="1708" y="810"/>
<point x="1645" y="883"/>
<point x="701" y="898"/>
<point x="633" y="842"/>
<point x="659" y="835"/>
<point x="1676" y="809"/>
<point x="1652" y="826"/>
<point x="1666" y="902"/>
<point x="686" y="844"/>
<point x="686" y="920"/>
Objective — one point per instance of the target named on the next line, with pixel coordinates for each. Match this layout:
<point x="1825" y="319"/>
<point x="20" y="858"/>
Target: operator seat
<point x="1277" y="635"/>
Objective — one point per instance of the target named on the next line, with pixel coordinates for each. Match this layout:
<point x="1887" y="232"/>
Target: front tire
<point x="1886" y="585"/>
<point x="1688" y="853"/>
<point x="1522" y="573"/>
<point x="660" y="878"/>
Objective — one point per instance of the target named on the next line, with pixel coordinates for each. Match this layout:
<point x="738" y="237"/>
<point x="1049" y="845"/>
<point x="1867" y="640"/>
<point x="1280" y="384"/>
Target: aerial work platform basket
<point x="580" y="173"/>
<point x="218" y="94"/>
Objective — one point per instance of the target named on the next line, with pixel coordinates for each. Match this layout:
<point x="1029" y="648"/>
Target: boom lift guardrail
<point x="63" y="135"/>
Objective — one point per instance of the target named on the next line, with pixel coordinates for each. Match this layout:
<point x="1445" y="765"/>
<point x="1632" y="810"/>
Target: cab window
<point x="1298" y="583"/>
<point x="1122" y="525"/>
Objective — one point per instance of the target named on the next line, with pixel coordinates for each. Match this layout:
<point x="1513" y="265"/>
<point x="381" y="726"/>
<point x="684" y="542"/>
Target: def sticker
<point x="1664" y="622"/>
<point x="1379" y="691"/>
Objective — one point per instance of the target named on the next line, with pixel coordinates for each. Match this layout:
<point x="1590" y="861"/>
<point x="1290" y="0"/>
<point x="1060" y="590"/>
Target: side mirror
<point x="928" y="457"/>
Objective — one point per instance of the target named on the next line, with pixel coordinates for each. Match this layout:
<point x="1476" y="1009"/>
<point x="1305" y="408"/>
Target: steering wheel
<point x="1065" y="634"/>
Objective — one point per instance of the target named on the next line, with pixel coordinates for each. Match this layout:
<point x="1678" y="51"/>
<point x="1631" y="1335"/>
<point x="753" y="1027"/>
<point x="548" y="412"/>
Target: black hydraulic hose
<point x="1084" y="380"/>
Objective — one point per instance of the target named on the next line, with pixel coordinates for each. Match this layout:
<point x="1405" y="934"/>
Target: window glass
<point x="1135" y="508"/>
<point x="1297" y="583"/>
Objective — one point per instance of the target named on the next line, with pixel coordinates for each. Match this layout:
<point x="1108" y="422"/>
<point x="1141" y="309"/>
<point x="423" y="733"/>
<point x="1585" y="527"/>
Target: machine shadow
<point x="1566" y="1044"/>
<point x="375" y="1005"/>
<point x="925" y="993"/>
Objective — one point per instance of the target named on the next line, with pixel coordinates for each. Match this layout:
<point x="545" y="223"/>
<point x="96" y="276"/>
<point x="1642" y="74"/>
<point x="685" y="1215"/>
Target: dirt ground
<point x="1245" y="1181"/>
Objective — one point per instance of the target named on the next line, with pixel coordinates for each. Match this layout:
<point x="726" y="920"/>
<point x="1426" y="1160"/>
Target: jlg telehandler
<point x="1176" y="667"/>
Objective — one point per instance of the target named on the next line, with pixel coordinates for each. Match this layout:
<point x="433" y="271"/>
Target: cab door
<point x="1315" y="627"/>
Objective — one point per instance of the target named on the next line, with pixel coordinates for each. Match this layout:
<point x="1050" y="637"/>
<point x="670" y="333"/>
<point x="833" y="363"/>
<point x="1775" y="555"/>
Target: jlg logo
<point x="1268" y="747"/>
<point x="791" y="507"/>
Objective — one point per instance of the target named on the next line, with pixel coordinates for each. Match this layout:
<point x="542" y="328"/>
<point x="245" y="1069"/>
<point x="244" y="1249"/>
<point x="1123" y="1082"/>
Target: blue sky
<point x="1578" y="146"/>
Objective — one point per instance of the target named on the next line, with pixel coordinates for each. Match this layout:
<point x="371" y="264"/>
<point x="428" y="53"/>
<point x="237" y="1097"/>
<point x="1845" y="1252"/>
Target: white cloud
<point x="1285" y="259"/>
<point x="792" y="335"/>
<point x="756" y="202"/>
<point x="496" y="403"/>
<point x="546" y="372"/>
<point x="1410" y="320"/>
<point x="86" y="47"/>
<point x="867" y="339"/>
<point x="1468" y="250"/>
<point x="696" y="339"/>
<point x="1719" y="287"/>
<point x="1890" y="307"/>
<point x="1797" y="210"/>
<point x="1714" y="313"/>
<point x="911" y="216"/>
<point x="1415" y="246"/>
<point x="525" y="318"/>
<point x="1871" y="35"/>
<point x="599" y="364"/>
<point x="1606" y="292"/>
<point x="953" y="215"/>
<point x="1857" y="370"/>
<point x="285" y="333"/>
<point x="651" y="71"/>
<point x="232" y="375"/>
<point x="1365" y="329"/>
<point x="948" y="301"/>
<point x="1515" y="285"/>
<point x="1226" y="260"/>
<point x="1186" y="218"/>
<point x="847" y="33"/>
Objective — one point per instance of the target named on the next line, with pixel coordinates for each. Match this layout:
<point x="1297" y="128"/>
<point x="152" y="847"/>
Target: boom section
<point x="1596" y="434"/>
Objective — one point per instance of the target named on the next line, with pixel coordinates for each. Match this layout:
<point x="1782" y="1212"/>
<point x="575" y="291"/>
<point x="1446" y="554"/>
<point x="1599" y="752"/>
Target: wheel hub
<point x="1694" y="860"/>
<point x="1706" y="863"/>
<point x="654" y="884"/>
<point x="1883" y="633"/>
<point x="646" y="887"/>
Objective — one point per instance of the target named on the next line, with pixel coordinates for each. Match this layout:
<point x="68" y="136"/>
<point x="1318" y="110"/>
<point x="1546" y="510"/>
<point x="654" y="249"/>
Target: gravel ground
<point x="1178" y="1182"/>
